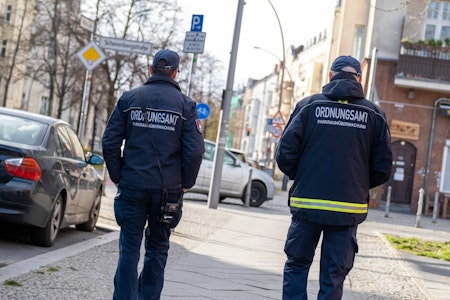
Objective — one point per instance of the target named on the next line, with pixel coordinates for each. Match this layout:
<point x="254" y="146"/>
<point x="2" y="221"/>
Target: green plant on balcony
<point x="425" y="45"/>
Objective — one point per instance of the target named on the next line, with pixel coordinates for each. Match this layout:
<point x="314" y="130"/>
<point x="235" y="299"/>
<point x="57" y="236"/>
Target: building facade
<point x="404" y="51"/>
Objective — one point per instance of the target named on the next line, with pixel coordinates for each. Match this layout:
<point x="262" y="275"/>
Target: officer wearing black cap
<point x="336" y="146"/>
<point x="153" y="146"/>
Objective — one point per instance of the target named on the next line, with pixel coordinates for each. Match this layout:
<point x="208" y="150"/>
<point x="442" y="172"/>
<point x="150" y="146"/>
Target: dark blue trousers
<point x="338" y="249"/>
<point x="133" y="210"/>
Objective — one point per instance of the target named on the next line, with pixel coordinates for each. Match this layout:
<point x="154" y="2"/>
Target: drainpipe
<point x="430" y="145"/>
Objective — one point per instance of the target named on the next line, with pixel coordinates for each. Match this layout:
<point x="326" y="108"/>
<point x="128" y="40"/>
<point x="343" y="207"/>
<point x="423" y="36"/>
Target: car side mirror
<point x="95" y="159"/>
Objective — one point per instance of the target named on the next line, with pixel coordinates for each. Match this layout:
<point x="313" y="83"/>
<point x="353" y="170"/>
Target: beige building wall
<point x="385" y="14"/>
<point x="348" y="30"/>
<point x="20" y="19"/>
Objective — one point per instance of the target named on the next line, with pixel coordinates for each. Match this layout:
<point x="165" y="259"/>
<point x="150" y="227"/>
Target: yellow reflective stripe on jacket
<point x="338" y="206"/>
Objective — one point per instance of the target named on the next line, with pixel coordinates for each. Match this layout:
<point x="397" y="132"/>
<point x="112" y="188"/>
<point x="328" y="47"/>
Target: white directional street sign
<point x="194" y="42"/>
<point x="123" y="45"/>
<point x="87" y="23"/>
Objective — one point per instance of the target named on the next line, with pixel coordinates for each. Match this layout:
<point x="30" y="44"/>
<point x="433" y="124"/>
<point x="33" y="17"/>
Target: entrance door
<point x="404" y="158"/>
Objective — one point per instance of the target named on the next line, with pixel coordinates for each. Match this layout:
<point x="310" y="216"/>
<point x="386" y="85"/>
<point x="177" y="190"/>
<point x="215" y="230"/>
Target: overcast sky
<point x="300" y="21"/>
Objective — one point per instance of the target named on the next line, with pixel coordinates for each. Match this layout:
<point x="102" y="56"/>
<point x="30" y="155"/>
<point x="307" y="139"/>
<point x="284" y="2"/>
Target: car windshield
<point x="19" y="130"/>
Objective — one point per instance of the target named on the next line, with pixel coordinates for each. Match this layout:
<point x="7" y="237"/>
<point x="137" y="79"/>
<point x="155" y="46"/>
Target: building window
<point x="438" y="21"/>
<point x="358" y="42"/>
<point x="44" y="105"/>
<point x="8" y="13"/>
<point x="3" y="49"/>
<point x="433" y="10"/>
<point x="430" y="31"/>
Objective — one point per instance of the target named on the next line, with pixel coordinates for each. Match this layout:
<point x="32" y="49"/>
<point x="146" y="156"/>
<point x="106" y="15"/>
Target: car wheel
<point x="89" y="226"/>
<point x="46" y="236"/>
<point x="258" y="194"/>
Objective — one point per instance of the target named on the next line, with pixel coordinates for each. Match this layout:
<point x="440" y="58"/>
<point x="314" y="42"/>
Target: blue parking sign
<point x="203" y="111"/>
<point x="197" y="23"/>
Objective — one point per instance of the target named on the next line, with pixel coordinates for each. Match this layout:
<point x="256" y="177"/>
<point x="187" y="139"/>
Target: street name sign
<point x="123" y="45"/>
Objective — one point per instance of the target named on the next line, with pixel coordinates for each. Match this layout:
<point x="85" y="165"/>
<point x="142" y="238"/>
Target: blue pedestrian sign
<point x="197" y="23"/>
<point x="203" y="111"/>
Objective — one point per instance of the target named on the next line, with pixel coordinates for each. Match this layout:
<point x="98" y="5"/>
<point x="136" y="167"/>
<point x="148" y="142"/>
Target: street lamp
<point x="284" y="56"/>
<point x="274" y="55"/>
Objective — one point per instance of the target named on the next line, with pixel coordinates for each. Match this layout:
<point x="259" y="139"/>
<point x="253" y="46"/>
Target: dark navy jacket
<point x="160" y="109"/>
<point x="336" y="146"/>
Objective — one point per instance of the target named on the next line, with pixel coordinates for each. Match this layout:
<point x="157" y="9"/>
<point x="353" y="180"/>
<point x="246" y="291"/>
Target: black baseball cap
<point x="166" y="60"/>
<point x="346" y="61"/>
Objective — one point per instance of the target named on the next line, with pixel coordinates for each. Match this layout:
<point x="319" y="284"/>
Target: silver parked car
<point x="235" y="177"/>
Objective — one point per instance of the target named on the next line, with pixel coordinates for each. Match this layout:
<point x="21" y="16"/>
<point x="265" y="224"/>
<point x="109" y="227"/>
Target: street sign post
<point x="194" y="42"/>
<point x="123" y="45"/>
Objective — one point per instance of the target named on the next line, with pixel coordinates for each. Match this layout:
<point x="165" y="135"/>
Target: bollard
<point x="284" y="183"/>
<point x="419" y="208"/>
<point x="436" y="206"/>
<point x="248" y="190"/>
<point x="388" y="202"/>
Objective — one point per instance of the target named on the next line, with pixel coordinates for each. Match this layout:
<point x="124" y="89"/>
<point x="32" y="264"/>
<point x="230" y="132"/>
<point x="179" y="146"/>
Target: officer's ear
<point x="174" y="73"/>
<point x="152" y="71"/>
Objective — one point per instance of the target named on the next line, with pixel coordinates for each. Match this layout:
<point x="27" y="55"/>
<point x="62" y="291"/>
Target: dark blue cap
<point x="346" y="61"/>
<point x="166" y="60"/>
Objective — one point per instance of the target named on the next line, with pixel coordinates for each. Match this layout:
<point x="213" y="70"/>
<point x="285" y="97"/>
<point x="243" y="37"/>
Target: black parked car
<point x="46" y="179"/>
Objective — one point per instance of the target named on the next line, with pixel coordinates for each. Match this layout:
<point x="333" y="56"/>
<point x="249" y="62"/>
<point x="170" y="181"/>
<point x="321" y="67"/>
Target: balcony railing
<point x="421" y="61"/>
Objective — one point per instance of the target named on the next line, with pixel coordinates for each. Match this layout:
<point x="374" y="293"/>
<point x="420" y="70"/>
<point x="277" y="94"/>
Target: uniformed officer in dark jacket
<point x="153" y="146"/>
<point x="336" y="146"/>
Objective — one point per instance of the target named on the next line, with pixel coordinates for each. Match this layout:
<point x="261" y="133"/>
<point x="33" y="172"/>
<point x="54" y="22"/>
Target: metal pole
<point x="84" y="105"/>
<point x="388" y="201"/>
<point x="248" y="190"/>
<point x="284" y="55"/>
<point x="192" y="75"/>
<point x="436" y="206"/>
<point x="214" y="189"/>
<point x="419" y="208"/>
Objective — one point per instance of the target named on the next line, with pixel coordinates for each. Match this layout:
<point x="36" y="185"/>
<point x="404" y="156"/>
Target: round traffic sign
<point x="277" y="131"/>
<point x="203" y="111"/>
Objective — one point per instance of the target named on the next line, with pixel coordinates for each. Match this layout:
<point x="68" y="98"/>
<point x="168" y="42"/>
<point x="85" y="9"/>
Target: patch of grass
<point x="53" y="269"/>
<point x="73" y="268"/>
<point x="12" y="283"/>
<point x="433" y="249"/>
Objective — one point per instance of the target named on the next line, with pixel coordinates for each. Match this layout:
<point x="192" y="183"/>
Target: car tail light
<point x="27" y="168"/>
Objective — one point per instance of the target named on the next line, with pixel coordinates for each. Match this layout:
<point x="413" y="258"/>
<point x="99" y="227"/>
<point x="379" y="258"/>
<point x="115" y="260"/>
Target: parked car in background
<point x="235" y="178"/>
<point x="47" y="181"/>
<point x="241" y="155"/>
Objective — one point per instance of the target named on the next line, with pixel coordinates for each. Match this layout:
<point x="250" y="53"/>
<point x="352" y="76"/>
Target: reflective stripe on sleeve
<point x="330" y="205"/>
